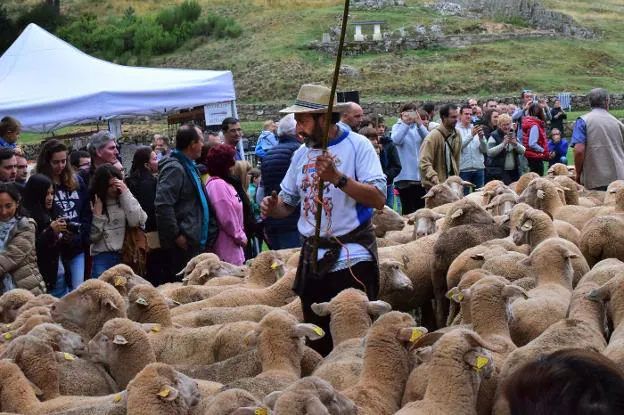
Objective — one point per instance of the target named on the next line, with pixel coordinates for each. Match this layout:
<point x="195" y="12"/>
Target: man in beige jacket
<point x="440" y="152"/>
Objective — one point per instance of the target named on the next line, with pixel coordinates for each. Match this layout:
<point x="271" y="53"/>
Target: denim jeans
<point x="476" y="177"/>
<point x="104" y="261"/>
<point x="283" y="239"/>
<point x="390" y="196"/>
<point x="77" y="270"/>
<point x="60" y="289"/>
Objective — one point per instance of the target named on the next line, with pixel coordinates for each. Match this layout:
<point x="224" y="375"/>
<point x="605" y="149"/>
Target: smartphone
<point x="411" y="114"/>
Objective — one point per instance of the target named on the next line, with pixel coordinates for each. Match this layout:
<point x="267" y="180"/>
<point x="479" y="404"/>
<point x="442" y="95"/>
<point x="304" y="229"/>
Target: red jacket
<point x="527" y="124"/>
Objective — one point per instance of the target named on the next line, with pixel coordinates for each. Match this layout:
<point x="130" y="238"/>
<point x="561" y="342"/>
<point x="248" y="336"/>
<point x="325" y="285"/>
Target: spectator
<point x="544" y="106"/>
<point x="267" y="139"/>
<point x="281" y="233"/>
<point x="491" y="104"/>
<point x="201" y="162"/>
<point x="211" y="138"/>
<point x="351" y="118"/>
<point x="571" y="382"/>
<point x="534" y="138"/>
<point x="114" y="209"/>
<point x="557" y="115"/>
<point x="511" y="109"/>
<point x="557" y="148"/>
<point x="350" y="196"/>
<point x="489" y="122"/>
<point x="473" y="104"/>
<point x="232" y="135"/>
<point x="598" y="139"/>
<point x="388" y="156"/>
<point x="504" y="151"/>
<point x="473" y="147"/>
<point x="503" y="109"/>
<point x="117" y="164"/>
<point x="182" y="211"/>
<point x="252" y="189"/>
<point x="79" y="160"/>
<point x="240" y="181"/>
<point x="429" y="108"/>
<point x="407" y="135"/>
<point x="160" y="145"/>
<point x="227" y="205"/>
<point x="21" y="175"/>
<point x="439" y="156"/>
<point x="478" y="112"/>
<point x="102" y="149"/>
<point x="39" y="203"/>
<point x="71" y="198"/>
<point x="142" y="183"/>
<point x="10" y="130"/>
<point x="18" y="257"/>
<point x="8" y="165"/>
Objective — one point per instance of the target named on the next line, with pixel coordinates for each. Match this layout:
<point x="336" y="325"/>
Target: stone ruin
<point x="376" y="4"/>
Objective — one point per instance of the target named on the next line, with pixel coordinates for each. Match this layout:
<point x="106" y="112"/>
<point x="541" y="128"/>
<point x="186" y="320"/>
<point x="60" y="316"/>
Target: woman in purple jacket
<point x="227" y="205"/>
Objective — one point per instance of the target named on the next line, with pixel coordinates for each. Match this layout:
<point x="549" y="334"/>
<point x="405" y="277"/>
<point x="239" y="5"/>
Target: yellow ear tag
<point x="68" y="356"/>
<point x="117" y="397"/>
<point x="261" y="411"/>
<point x="8" y="326"/>
<point x="155" y="329"/>
<point x="458" y="298"/>
<point x="164" y="392"/>
<point x="416" y="334"/>
<point x="480" y="362"/>
<point x="274" y="266"/>
<point x="119" y="282"/>
<point x="8" y="335"/>
<point x="319" y="331"/>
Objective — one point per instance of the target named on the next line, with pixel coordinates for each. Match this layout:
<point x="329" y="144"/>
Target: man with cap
<point x="102" y="149"/>
<point x="353" y="184"/>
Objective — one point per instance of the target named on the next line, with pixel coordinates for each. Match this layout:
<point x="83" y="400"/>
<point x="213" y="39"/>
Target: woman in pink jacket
<point x="227" y="205"/>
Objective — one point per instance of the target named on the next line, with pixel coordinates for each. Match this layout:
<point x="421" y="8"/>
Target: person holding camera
<point x="557" y="115"/>
<point x="503" y="154"/>
<point x="408" y="135"/>
<point x="473" y="148"/>
<point x="71" y="196"/>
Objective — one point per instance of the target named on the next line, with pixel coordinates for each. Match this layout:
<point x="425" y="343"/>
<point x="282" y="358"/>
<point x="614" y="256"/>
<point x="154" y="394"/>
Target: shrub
<point x="8" y="30"/>
<point x="174" y="17"/>
<point x="43" y="14"/>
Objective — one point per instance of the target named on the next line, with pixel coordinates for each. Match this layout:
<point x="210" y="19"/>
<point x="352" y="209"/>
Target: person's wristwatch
<point x="341" y="182"/>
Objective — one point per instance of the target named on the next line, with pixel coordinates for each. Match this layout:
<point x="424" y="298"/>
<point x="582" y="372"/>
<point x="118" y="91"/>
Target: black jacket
<point x="48" y="247"/>
<point x="390" y="161"/>
<point x="274" y="167"/>
<point x="143" y="187"/>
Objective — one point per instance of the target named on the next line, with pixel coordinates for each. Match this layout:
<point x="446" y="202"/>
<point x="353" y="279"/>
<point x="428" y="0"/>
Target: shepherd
<point x="353" y="183"/>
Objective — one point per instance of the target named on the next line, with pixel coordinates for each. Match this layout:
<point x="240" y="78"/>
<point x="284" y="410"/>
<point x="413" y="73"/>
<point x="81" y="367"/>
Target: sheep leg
<point x="428" y="315"/>
<point x="438" y="280"/>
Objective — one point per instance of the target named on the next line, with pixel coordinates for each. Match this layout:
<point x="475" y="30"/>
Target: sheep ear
<point x="602" y="293"/>
<point x="510" y="291"/>
<point x="467" y="183"/>
<point x="251" y="338"/>
<point x="479" y="361"/>
<point x="429" y="194"/>
<point x="475" y="340"/>
<point x="477" y="257"/>
<point x="109" y="304"/>
<point x="119" y="339"/>
<point x="457" y="295"/>
<point x="526" y="262"/>
<point x="168" y="393"/>
<point x="571" y="255"/>
<point x="142" y="301"/>
<point x="311" y="331"/>
<point x="272" y="398"/>
<point x="411" y="334"/>
<point x="457" y="213"/>
<point x="377" y="308"/>
<point x="321" y="309"/>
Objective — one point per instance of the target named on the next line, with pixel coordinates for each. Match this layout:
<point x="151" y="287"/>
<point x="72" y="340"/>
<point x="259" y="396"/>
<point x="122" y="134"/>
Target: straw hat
<point x="314" y="99"/>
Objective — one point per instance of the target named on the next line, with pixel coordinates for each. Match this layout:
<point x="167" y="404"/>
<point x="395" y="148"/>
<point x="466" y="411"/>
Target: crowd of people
<point x="75" y="215"/>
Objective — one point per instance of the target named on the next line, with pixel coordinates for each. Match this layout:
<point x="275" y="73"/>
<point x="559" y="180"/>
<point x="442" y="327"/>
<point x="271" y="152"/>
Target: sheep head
<point x="61" y="339"/>
<point x="385" y="220"/>
<point x="266" y="268"/>
<point x="439" y="195"/>
<point x="123" y="278"/>
<point x="424" y="221"/>
<point x="392" y="276"/>
<point x="524" y="181"/>
<point x="558" y="170"/>
<point x="190" y="266"/>
<point x="147" y="305"/>
<point x="502" y="204"/>
<point x="551" y="261"/>
<point x="11" y="301"/>
<point x="457" y="184"/>
<point x="310" y="395"/>
<point x="465" y="212"/>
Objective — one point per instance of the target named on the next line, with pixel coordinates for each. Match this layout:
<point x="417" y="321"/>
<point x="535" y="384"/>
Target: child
<point x="18" y="258"/>
<point x="114" y="208"/>
<point x="558" y="148"/>
<point x="254" y="183"/>
<point x="39" y="203"/>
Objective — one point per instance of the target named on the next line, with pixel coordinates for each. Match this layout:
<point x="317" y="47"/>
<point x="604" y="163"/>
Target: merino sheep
<point x="461" y="359"/>
<point x="311" y="395"/>
<point x="88" y="307"/>
<point x="59" y="338"/>
<point x="440" y="195"/>
<point x="209" y="268"/>
<point x="612" y="190"/>
<point x="380" y="387"/>
<point x="11" y="301"/>
<point x="22" y="319"/>
<point x="42" y="300"/>
<point x="524" y="181"/>
<point x="465" y="212"/>
<point x="123" y="278"/>
<point x="425" y="222"/>
<point x="230" y="402"/>
<point x="502" y="204"/>
<point x="601" y="238"/>
<point x="158" y="389"/>
<point x="265" y="270"/>
<point x="222" y="315"/>
<point x="147" y="305"/>
<point x="385" y="220"/>
<point x="190" y="266"/>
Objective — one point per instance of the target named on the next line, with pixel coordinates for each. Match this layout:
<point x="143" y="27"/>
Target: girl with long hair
<point x="534" y="138"/>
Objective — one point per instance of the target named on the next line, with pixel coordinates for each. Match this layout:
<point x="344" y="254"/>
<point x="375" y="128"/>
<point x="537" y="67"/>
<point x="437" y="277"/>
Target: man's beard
<point x="315" y="139"/>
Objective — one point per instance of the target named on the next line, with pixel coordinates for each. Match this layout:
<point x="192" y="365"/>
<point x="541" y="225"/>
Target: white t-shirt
<point x="356" y="158"/>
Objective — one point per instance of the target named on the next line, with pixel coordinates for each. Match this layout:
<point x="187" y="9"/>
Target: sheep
<point x="440" y="195"/>
<point x="448" y="246"/>
<point x="59" y="338"/>
<point x="549" y="300"/>
<point x="17" y="396"/>
<point x="465" y="212"/>
<point x="265" y="269"/>
<point x="78" y="376"/>
<point x="612" y="189"/>
<point x="600" y="238"/>
<point x="350" y="317"/>
<point x="123" y="278"/>
<point x="311" y="395"/>
<point x="502" y="204"/>
<point x="386" y="368"/>
<point x="558" y="170"/>
<point x="11" y="301"/>
<point x="507" y="266"/>
<point x="42" y="300"/>
<point x="457" y="184"/>
<point x="455" y="294"/>
<point x="88" y="307"/>
<point x="222" y="315"/>
<point x="275" y="296"/>
<point x="209" y="268"/>
<point x="230" y="401"/>
<point x="159" y="389"/>
<point x="10" y="329"/>
<point x="424" y="221"/>
<point x="190" y="266"/>
<point x="524" y="181"/>
<point x="611" y="292"/>
<point x="280" y="340"/>
<point x="385" y="220"/>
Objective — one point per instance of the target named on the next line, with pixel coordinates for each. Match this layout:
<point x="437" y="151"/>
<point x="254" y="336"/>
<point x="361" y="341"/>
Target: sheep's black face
<point x="188" y="389"/>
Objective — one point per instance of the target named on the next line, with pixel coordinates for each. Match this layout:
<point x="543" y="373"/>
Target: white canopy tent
<point x="47" y="84"/>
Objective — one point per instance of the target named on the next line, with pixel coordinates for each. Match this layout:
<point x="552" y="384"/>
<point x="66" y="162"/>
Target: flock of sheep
<point x="496" y="279"/>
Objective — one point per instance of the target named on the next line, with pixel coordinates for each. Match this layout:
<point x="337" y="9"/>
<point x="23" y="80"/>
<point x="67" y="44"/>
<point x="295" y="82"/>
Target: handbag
<point x="153" y="241"/>
<point x="134" y="252"/>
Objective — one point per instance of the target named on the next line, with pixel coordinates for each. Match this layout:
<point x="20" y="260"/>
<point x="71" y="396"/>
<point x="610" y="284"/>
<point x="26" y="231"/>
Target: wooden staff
<point x="325" y="140"/>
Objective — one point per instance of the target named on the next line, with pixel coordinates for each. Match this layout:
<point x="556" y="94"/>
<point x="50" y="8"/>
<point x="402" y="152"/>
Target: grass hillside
<point x="270" y="62"/>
